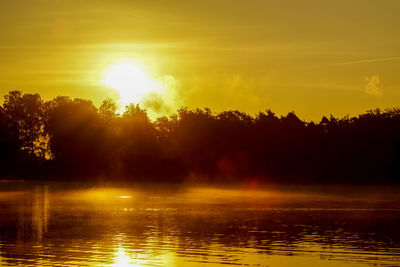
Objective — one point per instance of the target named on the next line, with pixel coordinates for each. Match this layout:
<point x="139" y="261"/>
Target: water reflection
<point x="33" y="213"/>
<point x="46" y="226"/>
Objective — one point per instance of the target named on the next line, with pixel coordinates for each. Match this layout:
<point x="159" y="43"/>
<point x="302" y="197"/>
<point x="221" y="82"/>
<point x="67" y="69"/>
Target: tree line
<point x="70" y="139"/>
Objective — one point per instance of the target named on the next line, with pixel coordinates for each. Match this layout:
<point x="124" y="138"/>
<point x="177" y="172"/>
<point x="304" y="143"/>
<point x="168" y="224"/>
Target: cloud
<point x="156" y="103"/>
<point x="165" y="100"/>
<point x="367" y="61"/>
<point x="241" y="90"/>
<point x="372" y="86"/>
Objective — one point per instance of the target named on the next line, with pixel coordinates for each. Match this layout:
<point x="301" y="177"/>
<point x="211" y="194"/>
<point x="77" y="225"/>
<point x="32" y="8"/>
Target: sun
<point x="131" y="81"/>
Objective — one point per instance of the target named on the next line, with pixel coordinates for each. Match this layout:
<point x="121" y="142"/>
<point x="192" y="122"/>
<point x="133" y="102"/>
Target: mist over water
<point x="156" y="225"/>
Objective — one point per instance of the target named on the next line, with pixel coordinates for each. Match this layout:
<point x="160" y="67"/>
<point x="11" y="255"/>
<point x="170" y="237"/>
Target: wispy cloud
<point x="372" y="86"/>
<point x="166" y="99"/>
<point x="366" y="61"/>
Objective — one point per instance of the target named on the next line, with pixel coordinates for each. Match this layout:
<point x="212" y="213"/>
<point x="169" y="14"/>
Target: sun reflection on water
<point x="194" y="227"/>
<point x="150" y="255"/>
<point x="125" y="197"/>
<point x="123" y="259"/>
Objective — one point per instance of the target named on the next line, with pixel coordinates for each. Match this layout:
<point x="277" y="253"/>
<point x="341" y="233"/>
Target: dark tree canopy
<point x="72" y="139"/>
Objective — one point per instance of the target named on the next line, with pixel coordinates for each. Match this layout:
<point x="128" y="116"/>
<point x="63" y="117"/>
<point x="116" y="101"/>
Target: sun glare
<point x="131" y="80"/>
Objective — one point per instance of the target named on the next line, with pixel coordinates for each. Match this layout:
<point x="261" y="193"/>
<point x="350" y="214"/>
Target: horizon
<point x="121" y="110"/>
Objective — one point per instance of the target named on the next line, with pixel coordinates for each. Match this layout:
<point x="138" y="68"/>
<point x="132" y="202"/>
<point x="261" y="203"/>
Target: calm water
<point x="45" y="225"/>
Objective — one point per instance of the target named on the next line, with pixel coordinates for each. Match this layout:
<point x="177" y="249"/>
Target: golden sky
<point x="316" y="57"/>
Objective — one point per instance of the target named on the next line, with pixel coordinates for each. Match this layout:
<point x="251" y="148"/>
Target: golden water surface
<point x="63" y="225"/>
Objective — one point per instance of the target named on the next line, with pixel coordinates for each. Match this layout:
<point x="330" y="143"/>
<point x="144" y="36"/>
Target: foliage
<point x="71" y="138"/>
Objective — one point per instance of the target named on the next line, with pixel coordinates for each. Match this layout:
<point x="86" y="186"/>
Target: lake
<point x="45" y="224"/>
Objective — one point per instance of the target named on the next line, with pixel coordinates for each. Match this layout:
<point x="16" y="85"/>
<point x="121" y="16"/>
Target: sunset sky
<point x="314" y="57"/>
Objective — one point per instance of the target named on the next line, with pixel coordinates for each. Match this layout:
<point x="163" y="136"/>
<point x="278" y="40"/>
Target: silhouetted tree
<point x="72" y="138"/>
<point x="25" y="114"/>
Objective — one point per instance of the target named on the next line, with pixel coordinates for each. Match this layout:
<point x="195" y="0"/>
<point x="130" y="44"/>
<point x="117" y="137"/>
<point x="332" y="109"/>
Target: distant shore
<point x="71" y="139"/>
